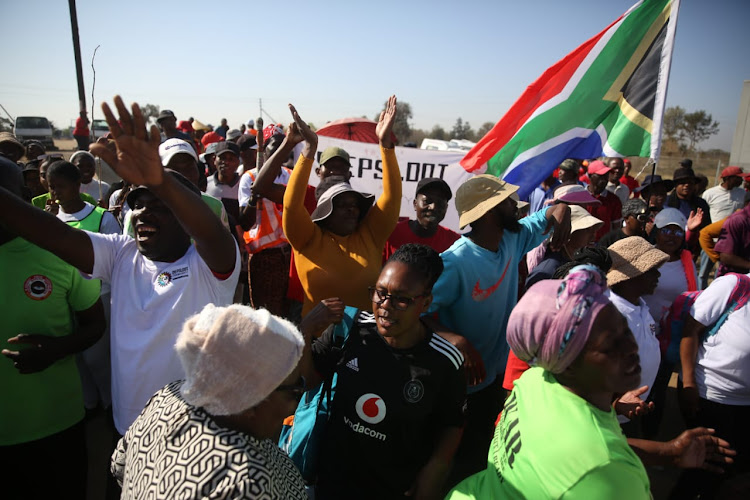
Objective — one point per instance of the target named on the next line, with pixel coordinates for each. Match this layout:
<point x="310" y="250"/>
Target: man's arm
<point x="691" y="334"/>
<point x="264" y="185"/>
<point x="46" y="231"/>
<point x="695" y="448"/>
<point x="41" y="351"/>
<point x="558" y="220"/>
<point x="431" y="477"/>
<point x="734" y="261"/>
<point x="137" y="161"/>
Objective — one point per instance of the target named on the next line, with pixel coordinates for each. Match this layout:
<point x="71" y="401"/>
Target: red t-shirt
<point x="402" y="234"/>
<point x="513" y="370"/>
<point x="631" y="183"/>
<point x="82" y="127"/>
<point x="608" y="212"/>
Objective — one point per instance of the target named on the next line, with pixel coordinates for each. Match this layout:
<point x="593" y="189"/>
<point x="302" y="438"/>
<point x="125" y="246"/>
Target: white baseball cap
<point x="171" y="147"/>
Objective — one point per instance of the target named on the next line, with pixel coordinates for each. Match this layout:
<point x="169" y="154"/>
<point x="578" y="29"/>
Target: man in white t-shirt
<point x="716" y="376"/>
<point x="159" y="278"/>
<point x="723" y="200"/>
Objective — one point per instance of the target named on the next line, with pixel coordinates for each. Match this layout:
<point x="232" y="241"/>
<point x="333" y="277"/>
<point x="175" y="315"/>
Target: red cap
<point x="272" y="130"/>
<point x="210" y="137"/>
<point x="598" y="167"/>
<point x="730" y="171"/>
<point x="626" y="161"/>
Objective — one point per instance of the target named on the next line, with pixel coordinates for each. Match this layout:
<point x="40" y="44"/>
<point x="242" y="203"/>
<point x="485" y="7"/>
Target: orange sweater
<point x="340" y="266"/>
<point x="707" y="236"/>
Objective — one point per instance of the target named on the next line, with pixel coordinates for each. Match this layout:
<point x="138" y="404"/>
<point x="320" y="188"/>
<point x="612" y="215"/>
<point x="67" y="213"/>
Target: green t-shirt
<point x="41" y="200"/>
<point x="39" y="294"/>
<point x="552" y="444"/>
<point x="216" y="206"/>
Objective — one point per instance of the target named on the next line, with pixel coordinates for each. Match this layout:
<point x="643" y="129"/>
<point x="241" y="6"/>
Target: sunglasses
<point x="50" y="157"/>
<point x="672" y="232"/>
<point x="641" y="217"/>
<point x="398" y="302"/>
<point x="297" y="389"/>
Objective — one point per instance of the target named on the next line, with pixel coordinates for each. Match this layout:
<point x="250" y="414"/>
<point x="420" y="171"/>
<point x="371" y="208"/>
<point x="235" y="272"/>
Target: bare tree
<point x="150" y="111"/>
<point x="674" y="118"/>
<point x="484" y="129"/>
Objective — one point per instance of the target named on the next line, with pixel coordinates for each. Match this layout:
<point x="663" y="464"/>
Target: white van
<point x="37" y="128"/>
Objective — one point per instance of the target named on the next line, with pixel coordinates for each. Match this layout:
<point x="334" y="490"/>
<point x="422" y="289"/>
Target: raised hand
<point x="137" y="158"/>
<point x="384" y="128"/>
<point x="695" y="219"/>
<point x="303" y="128"/>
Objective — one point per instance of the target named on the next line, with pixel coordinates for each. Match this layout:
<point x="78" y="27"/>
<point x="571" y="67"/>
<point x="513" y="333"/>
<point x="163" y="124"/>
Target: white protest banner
<point x="415" y="165"/>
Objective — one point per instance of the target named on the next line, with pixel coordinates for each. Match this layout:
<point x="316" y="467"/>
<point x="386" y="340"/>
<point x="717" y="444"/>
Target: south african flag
<point x="606" y="98"/>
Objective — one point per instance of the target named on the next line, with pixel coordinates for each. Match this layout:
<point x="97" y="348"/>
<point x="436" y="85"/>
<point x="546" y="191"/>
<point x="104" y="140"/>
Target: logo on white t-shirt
<point x="37" y="287"/>
<point x="163" y="279"/>
<point x="370" y="408"/>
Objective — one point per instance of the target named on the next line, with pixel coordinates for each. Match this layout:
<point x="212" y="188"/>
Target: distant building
<point x="740" y="155"/>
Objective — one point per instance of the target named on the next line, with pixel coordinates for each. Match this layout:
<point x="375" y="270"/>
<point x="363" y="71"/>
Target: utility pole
<point x="77" y="54"/>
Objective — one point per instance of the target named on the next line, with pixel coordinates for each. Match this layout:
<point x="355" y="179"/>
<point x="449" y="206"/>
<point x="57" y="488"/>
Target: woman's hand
<point x="384" y="128"/>
<point x="695" y="219"/>
<point x="699" y="449"/>
<point x="631" y="405"/>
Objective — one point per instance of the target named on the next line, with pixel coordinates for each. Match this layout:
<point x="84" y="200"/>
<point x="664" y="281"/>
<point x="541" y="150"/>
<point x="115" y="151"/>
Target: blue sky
<point x="448" y="59"/>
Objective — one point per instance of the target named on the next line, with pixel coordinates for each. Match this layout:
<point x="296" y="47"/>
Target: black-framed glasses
<point x="641" y="217"/>
<point x="297" y="389"/>
<point x="398" y="302"/>
<point x="672" y="232"/>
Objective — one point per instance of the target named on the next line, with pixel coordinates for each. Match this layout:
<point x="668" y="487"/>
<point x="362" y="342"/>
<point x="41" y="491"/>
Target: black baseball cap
<point x="437" y="182"/>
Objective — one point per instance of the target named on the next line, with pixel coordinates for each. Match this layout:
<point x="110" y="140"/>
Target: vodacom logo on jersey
<point x="370" y="408"/>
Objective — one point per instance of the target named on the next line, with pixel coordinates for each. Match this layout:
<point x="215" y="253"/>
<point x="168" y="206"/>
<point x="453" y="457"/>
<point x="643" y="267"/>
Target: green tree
<point x="437" y="132"/>
<point x="462" y="130"/>
<point x="699" y="126"/>
<point x="150" y="111"/>
<point x="401" y="126"/>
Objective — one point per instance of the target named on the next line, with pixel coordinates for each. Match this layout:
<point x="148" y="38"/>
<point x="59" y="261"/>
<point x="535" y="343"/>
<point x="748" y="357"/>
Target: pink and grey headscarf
<point x="551" y="323"/>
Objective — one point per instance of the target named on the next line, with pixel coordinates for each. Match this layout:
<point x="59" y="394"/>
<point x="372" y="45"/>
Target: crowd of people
<point x="213" y="297"/>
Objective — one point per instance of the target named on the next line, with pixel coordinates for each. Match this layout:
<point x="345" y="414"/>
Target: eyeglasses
<point x="398" y="302"/>
<point x="50" y="157"/>
<point x="672" y="232"/>
<point x="641" y="217"/>
<point x="297" y="389"/>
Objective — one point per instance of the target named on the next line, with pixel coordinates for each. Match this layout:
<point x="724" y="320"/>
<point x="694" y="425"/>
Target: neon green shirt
<point x="552" y="444"/>
<point x="41" y="200"/>
<point x="39" y="294"/>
